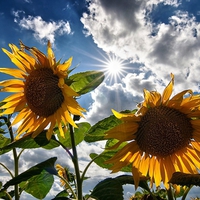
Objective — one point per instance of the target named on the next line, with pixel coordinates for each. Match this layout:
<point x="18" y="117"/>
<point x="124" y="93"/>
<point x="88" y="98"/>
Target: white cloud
<point x="126" y="30"/>
<point x="121" y="96"/>
<point x="42" y="30"/>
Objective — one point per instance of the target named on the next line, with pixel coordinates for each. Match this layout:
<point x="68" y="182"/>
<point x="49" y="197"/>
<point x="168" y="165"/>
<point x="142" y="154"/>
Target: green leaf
<point x="107" y="154"/>
<point x="97" y="132"/>
<point x="62" y="195"/>
<point x="4" y="142"/>
<point x="47" y="165"/>
<point x="185" y="179"/>
<point x="79" y="134"/>
<point x="28" y="142"/>
<point x="111" y="188"/>
<point x="38" y="185"/>
<point x="108" y="189"/>
<point x="85" y="82"/>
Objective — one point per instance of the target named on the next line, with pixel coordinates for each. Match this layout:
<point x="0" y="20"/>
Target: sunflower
<point x="62" y="172"/>
<point x="162" y="137"/>
<point x="41" y="96"/>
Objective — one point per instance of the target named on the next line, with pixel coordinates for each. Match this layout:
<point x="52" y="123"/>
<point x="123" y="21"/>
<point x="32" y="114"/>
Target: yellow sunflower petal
<point x="12" y="83"/>
<point x="144" y="165"/>
<point x="15" y="59"/>
<point x="123" y="132"/>
<point x="16" y="108"/>
<point x="152" y="99"/>
<point x="50" y="130"/>
<point x="126" y="116"/>
<point x="30" y="61"/>
<point x="50" y="55"/>
<point x="13" y="72"/>
<point x="130" y="147"/>
<point x="14" y="97"/>
<point x="157" y="174"/>
<point x="73" y="106"/>
<point x="41" y="127"/>
<point x="69" y="92"/>
<point x="151" y="166"/>
<point x="21" y="115"/>
<point x="26" y="124"/>
<point x="67" y="115"/>
<point x="15" y="103"/>
<point x="136" y="176"/>
<point x="62" y="68"/>
<point x="177" y="100"/>
<point x="192" y="155"/>
<point x="168" y="91"/>
<point x="187" y="165"/>
<point x="12" y="89"/>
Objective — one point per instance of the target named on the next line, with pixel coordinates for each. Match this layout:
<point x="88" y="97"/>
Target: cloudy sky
<point x="149" y="39"/>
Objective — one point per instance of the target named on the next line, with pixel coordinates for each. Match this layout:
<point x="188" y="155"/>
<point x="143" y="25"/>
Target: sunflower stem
<point x="186" y="192"/>
<point x="66" y="149"/>
<point x="169" y="194"/>
<point x="86" y="168"/>
<point x="68" y="186"/>
<point x="7" y="170"/>
<point x="76" y="164"/>
<point x="16" y="159"/>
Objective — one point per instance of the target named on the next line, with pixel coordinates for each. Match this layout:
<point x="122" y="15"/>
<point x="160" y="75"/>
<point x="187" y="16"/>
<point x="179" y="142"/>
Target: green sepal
<point x="85" y="82"/>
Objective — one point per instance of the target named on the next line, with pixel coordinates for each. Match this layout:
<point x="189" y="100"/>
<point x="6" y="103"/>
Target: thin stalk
<point x="186" y="192"/>
<point x="8" y="195"/>
<point x="20" y="153"/>
<point x="7" y="170"/>
<point x="68" y="186"/>
<point x="16" y="160"/>
<point x="88" y="165"/>
<point x="66" y="149"/>
<point x="169" y="194"/>
<point x="76" y="164"/>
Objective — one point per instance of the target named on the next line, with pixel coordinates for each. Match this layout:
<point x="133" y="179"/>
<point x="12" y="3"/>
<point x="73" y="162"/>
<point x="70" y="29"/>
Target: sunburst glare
<point x="114" y="68"/>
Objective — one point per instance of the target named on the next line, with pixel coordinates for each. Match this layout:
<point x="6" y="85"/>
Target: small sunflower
<point x="41" y="95"/>
<point x="163" y="136"/>
<point x="64" y="173"/>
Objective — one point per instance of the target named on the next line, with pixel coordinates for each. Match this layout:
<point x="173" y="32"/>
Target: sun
<point x="114" y="68"/>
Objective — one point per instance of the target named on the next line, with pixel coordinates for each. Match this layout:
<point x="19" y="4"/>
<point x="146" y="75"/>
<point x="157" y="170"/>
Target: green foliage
<point x="62" y="195"/>
<point x="47" y="165"/>
<point x="27" y="142"/>
<point x="4" y="142"/>
<point x="38" y="185"/>
<point x="111" y="188"/>
<point x="79" y="134"/>
<point x="183" y="179"/>
<point x="108" y="189"/>
<point x="107" y="154"/>
<point x="85" y="82"/>
<point x="97" y="132"/>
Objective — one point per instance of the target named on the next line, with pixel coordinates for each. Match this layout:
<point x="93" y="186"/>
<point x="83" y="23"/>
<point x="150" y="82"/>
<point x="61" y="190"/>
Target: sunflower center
<point x="43" y="95"/>
<point x="163" y="130"/>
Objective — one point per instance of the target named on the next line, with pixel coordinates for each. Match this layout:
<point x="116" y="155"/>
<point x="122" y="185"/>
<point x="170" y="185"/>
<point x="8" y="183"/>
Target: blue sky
<point x="150" y="38"/>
